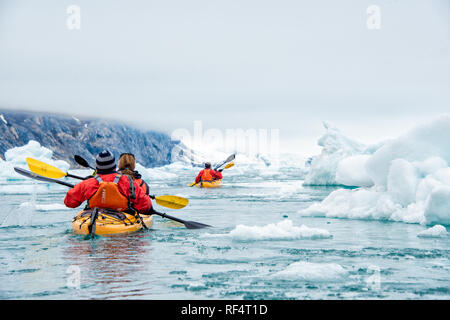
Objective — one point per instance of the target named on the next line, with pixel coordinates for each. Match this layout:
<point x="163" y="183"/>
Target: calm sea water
<point x="40" y="257"/>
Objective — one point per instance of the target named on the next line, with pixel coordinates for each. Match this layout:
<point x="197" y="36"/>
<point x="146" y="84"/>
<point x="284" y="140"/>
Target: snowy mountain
<point x="67" y="136"/>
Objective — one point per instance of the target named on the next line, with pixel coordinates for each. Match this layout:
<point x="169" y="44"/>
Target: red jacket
<point x="215" y="175"/>
<point x="87" y="188"/>
<point x="143" y="185"/>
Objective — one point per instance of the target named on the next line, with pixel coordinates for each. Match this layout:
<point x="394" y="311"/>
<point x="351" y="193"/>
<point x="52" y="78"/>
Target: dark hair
<point x="208" y="165"/>
<point x="126" y="154"/>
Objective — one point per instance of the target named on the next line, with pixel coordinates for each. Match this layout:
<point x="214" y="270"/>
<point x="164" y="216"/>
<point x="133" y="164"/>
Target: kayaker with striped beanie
<point x="109" y="189"/>
<point x="208" y="174"/>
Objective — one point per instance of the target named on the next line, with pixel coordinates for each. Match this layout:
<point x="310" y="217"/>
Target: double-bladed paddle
<point x="41" y="170"/>
<point x="187" y="224"/>
<point x="230" y="158"/>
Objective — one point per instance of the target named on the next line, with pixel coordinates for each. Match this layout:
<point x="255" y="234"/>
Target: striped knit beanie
<point x="106" y="163"/>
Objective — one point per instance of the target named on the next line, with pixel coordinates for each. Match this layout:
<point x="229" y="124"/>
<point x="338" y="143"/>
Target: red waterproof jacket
<point x="215" y="175"/>
<point x="143" y="185"/>
<point x="86" y="189"/>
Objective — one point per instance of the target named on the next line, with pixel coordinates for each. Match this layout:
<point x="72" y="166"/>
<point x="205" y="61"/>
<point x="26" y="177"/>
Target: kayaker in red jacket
<point x="208" y="174"/>
<point x="127" y="165"/>
<point x="109" y="189"/>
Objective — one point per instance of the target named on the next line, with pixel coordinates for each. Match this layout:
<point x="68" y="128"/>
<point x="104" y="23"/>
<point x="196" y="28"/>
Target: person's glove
<point x="220" y="170"/>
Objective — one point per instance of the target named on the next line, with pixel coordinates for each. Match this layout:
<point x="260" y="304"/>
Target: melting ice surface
<point x="260" y="246"/>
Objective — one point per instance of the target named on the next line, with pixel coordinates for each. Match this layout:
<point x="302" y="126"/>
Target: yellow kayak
<point x="209" y="184"/>
<point x="109" y="222"/>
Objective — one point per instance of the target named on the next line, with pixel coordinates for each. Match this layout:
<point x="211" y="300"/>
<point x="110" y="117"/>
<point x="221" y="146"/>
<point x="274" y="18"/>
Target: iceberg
<point x="16" y="157"/>
<point x="341" y="162"/>
<point x="410" y="179"/>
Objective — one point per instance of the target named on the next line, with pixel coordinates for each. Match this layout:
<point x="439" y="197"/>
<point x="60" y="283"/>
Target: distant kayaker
<point x="127" y="165"/>
<point x="208" y="174"/>
<point x="109" y="189"/>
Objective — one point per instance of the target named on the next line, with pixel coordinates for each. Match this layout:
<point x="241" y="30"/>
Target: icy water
<point x="40" y="256"/>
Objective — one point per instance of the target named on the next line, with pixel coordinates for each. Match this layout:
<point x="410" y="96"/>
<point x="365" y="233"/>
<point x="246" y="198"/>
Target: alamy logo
<point x="374" y="281"/>
<point x="252" y="142"/>
<point x="74" y="277"/>
<point x="374" y="17"/>
<point x="73" y="21"/>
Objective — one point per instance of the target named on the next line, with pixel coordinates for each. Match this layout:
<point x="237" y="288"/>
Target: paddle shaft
<point x="35" y="176"/>
<point x="187" y="224"/>
<point x="74" y="176"/>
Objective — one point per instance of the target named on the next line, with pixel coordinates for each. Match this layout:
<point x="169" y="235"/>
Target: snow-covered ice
<point x="410" y="176"/>
<point x="16" y="157"/>
<point x="437" y="231"/>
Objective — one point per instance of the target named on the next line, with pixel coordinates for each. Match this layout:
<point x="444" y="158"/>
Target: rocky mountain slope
<point x="67" y="136"/>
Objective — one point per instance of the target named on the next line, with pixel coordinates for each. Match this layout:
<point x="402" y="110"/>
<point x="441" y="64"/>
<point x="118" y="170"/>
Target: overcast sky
<point x="286" y="64"/>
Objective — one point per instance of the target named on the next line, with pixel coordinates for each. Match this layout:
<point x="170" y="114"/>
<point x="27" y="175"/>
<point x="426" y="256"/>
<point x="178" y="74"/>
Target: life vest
<point x="108" y="195"/>
<point x="207" y="176"/>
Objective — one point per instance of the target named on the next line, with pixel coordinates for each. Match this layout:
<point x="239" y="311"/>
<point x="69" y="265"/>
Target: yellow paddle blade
<point x="44" y="169"/>
<point x="229" y="165"/>
<point x="191" y="184"/>
<point x="172" y="202"/>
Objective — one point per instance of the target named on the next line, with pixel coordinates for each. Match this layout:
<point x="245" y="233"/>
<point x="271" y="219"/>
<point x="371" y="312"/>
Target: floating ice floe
<point x="411" y="180"/>
<point x="283" y="230"/>
<point x="437" y="231"/>
<point x="309" y="271"/>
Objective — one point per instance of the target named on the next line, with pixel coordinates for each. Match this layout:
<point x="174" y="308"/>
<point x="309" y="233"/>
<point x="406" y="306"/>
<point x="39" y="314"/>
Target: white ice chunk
<point x="437" y="231"/>
<point x="437" y="208"/>
<point x="309" y="271"/>
<point x="283" y="230"/>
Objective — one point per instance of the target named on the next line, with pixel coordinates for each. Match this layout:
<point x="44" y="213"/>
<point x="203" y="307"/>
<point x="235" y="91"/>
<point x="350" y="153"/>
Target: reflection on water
<point x="112" y="267"/>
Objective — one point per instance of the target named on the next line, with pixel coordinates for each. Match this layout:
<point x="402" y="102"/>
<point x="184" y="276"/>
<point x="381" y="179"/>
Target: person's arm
<point x="199" y="177"/>
<point x="75" y="196"/>
<point x="142" y="202"/>
<point x="217" y="175"/>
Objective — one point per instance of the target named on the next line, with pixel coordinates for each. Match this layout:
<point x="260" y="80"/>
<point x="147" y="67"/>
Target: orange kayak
<point x="209" y="184"/>
<point x="109" y="222"/>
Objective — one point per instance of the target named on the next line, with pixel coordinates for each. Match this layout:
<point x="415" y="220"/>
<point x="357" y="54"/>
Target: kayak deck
<point x="109" y="222"/>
